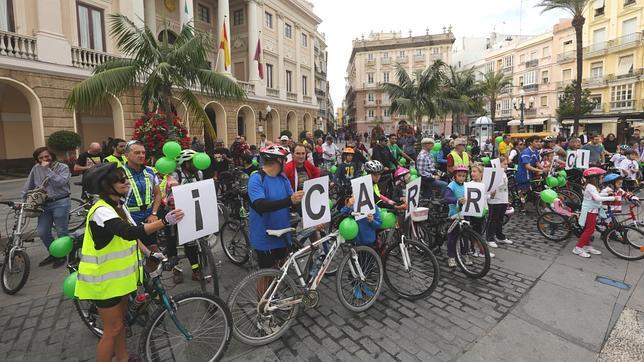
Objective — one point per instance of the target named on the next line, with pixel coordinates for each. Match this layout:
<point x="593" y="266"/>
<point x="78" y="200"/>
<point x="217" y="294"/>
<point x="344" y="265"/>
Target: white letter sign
<point x="571" y="159"/>
<point x="496" y="163"/>
<point x="315" y="203"/>
<point x="198" y="200"/>
<point x="475" y="200"/>
<point x="362" y="188"/>
<point x="492" y="178"/>
<point x="412" y="195"/>
<point x="583" y="159"/>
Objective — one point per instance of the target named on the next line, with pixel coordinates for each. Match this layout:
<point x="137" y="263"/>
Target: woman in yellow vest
<point x="110" y="266"/>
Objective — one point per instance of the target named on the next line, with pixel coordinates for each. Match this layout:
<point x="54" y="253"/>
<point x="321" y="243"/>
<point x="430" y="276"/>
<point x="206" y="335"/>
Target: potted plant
<point x="64" y="143"/>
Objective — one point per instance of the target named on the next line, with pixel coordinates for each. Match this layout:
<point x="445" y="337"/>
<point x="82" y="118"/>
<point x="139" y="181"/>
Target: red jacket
<point x="311" y="171"/>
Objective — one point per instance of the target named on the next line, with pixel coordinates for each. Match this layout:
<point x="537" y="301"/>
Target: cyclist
<point x="300" y="169"/>
<point x="349" y="168"/>
<point x="427" y="169"/>
<point x="375" y="169"/>
<point x="109" y="268"/>
<point x="591" y="208"/>
<point x="118" y="152"/>
<point x="455" y="195"/>
<point x="528" y="164"/>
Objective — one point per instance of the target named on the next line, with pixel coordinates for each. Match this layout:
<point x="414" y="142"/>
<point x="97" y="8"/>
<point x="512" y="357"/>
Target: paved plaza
<point x="539" y="302"/>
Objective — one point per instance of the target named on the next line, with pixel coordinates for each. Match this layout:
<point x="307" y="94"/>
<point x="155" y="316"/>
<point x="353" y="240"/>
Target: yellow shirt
<point x="504" y="148"/>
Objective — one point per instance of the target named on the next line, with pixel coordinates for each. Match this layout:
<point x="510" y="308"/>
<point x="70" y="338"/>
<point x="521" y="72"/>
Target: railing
<point x="291" y="96"/>
<point x="88" y="58"/>
<point x="437" y="56"/>
<point x="595" y="81"/>
<point x="506" y="112"/>
<point x="369" y="103"/>
<point x="18" y="46"/>
<point x="275" y="93"/>
<point x="631" y="74"/>
<point x="532" y="63"/>
<point x="596" y="49"/>
<point x="320" y="92"/>
<point x="384" y="61"/>
<point x="531" y="87"/>
<point x="307" y="99"/>
<point x="402" y="59"/>
<point x="507" y="69"/>
<point x="627" y="41"/>
<point x="419" y="58"/>
<point x="370" y="85"/>
<point x="371" y="62"/>
<point x="567" y="56"/>
<point x="599" y="108"/>
<point x="249" y="88"/>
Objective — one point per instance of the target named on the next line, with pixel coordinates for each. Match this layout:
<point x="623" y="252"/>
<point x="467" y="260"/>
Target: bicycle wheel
<point x="568" y="196"/>
<point x="553" y="226"/>
<point x="15" y="276"/>
<point x="205" y="317"/>
<point x="355" y="293"/>
<point x="234" y="241"/>
<point x="472" y="254"/>
<point x="77" y="214"/>
<point x="625" y="242"/>
<point x="88" y="313"/>
<point x="412" y="275"/>
<point x="208" y="267"/>
<point x="255" y="327"/>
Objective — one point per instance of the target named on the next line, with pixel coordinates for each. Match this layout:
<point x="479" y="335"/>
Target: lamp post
<point x="520" y="105"/>
<point x="262" y="118"/>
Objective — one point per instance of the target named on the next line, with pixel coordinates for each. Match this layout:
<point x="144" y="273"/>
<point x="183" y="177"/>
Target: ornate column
<point x="223" y="17"/>
<point x="150" y="16"/>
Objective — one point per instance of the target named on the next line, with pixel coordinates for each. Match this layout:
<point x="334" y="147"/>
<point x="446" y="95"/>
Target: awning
<point x="591" y="121"/>
<point x="528" y="122"/>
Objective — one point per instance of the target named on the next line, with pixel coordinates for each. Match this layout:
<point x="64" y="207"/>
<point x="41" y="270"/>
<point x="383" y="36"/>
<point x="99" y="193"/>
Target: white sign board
<point x="496" y="163"/>
<point x="583" y="159"/>
<point x="475" y="200"/>
<point x="412" y="195"/>
<point x="492" y="178"/>
<point x="571" y="159"/>
<point x="363" y="201"/>
<point x="315" y="203"/>
<point x="198" y="200"/>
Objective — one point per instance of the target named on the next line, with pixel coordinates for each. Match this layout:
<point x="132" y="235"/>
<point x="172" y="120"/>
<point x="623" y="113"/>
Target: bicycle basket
<point x="420" y="214"/>
<point x="35" y="200"/>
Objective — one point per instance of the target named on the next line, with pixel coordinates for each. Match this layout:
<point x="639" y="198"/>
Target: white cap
<point x="427" y="140"/>
<point x="284" y="138"/>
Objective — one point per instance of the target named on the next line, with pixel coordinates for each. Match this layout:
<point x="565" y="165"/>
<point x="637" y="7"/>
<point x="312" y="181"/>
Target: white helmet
<point x="274" y="152"/>
<point x="373" y="166"/>
<point x="185" y="155"/>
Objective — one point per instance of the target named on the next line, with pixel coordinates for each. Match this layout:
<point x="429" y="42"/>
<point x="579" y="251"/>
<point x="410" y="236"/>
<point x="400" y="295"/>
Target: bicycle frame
<point x="15" y="241"/>
<point x="167" y="301"/>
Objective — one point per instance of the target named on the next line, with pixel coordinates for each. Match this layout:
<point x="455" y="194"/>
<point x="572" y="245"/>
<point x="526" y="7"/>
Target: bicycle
<point x="79" y="209"/>
<point x="15" y="260"/>
<point x="265" y="302"/>
<point x="187" y="326"/>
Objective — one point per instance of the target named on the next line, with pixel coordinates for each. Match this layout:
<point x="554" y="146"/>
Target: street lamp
<point x="262" y="118"/>
<point x="520" y="105"/>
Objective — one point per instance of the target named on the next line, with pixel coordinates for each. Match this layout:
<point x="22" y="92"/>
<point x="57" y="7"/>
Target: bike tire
<point x="12" y="288"/>
<point x="630" y="238"/>
<point x="467" y="248"/>
<point x="250" y="316"/>
<point x="88" y="313"/>
<point x="77" y="214"/>
<point x="392" y="263"/>
<point x="371" y="286"/>
<point x="161" y="322"/>
<point x="235" y="242"/>
<point x="553" y="226"/>
<point x="207" y="265"/>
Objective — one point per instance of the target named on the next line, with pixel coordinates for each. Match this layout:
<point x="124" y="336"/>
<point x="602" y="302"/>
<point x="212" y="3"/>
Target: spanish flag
<point x="225" y="45"/>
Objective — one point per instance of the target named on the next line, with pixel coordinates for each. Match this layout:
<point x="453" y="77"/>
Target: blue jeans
<point x="54" y="214"/>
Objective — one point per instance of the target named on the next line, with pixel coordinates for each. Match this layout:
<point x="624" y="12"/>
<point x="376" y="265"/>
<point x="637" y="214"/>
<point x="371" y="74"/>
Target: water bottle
<point x="137" y="302"/>
<point x="317" y="264"/>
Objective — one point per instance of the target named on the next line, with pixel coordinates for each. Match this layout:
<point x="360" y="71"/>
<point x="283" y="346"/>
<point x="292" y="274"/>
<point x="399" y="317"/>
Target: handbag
<point x="35" y="200"/>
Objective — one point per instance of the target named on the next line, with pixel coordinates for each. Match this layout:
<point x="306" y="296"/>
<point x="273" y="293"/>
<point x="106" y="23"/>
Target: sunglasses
<point x="122" y="180"/>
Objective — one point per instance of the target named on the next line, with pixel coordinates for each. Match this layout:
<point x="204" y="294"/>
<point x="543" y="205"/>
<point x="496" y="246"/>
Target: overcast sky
<point x="345" y="20"/>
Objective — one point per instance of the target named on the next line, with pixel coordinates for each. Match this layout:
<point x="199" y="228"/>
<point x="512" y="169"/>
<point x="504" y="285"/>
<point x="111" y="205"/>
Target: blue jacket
<point x="453" y="192"/>
<point x="367" y="231"/>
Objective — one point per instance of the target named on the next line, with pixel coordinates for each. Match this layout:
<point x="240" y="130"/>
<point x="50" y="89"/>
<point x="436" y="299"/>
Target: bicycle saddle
<point x="279" y="232"/>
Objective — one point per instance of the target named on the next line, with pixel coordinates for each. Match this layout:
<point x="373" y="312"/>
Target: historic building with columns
<point x="47" y="47"/>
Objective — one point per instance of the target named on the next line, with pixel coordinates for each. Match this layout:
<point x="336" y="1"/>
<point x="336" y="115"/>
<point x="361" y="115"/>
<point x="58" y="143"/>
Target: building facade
<point x="373" y="62"/>
<point x="325" y="117"/>
<point x="47" y="47"/>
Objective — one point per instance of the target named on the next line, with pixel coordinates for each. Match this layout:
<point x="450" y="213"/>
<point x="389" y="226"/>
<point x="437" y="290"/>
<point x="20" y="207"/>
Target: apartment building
<point x="614" y="65"/>
<point x="373" y="62"/>
<point x="325" y="115"/>
<point x="46" y="47"/>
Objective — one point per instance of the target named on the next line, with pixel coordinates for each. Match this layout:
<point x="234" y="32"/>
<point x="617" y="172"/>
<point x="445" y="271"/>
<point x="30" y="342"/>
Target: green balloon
<point x="388" y="219"/>
<point x="563" y="174"/>
<point x="348" y="228"/>
<point x="333" y="169"/>
<point x="548" y="196"/>
<point x="201" y="161"/>
<point x="166" y="165"/>
<point x="485" y="160"/>
<point x="562" y="181"/>
<point x="403" y="161"/>
<point x="468" y="148"/>
<point x="255" y="163"/>
<point x="61" y="246"/>
<point x="413" y="177"/>
<point x="499" y="139"/>
<point x="171" y="149"/>
<point x="364" y="173"/>
<point x="413" y="171"/>
<point x="69" y="285"/>
<point x="437" y="147"/>
<point x="552" y="181"/>
<point x="485" y="211"/>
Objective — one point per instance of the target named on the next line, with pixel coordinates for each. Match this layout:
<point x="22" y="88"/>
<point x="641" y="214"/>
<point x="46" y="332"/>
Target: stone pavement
<point x="539" y="302"/>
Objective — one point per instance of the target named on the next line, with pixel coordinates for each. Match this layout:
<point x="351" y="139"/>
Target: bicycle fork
<point x="354" y="266"/>
<point x="404" y="253"/>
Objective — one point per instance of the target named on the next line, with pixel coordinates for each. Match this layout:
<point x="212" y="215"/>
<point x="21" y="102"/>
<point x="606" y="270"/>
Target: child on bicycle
<point x="547" y="161"/>
<point x="367" y="227"/>
<point x="375" y="169"/>
<point x="629" y="168"/>
<point x="477" y="222"/>
<point x="454" y="196"/>
<point x="617" y="158"/>
<point x="349" y="168"/>
<point x="613" y="187"/>
<point x="591" y="208"/>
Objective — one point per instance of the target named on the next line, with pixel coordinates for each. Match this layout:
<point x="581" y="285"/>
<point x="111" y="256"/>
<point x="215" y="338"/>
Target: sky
<point x="345" y="20"/>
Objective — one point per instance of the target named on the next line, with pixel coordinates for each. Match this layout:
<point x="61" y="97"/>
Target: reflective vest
<point x="140" y="205"/>
<point x="119" y="161"/>
<point x="465" y="161"/>
<point x="110" y="272"/>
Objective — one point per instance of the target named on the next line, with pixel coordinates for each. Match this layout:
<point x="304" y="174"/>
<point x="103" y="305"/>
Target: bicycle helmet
<point x="611" y="177"/>
<point x="549" y="139"/>
<point x="460" y="168"/>
<point x="401" y="171"/>
<point x="625" y="147"/>
<point x="547" y="151"/>
<point x="373" y="166"/>
<point x="348" y="150"/>
<point x="594" y="171"/>
<point x="185" y="155"/>
<point x="273" y="152"/>
<point x="99" y="177"/>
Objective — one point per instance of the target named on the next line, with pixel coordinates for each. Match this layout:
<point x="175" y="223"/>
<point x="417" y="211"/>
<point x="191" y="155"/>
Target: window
<point x="6" y="15"/>
<point x="498" y="106"/>
<point x="521" y="81"/>
<point x="385" y="55"/>
<point x="545" y="52"/>
<point x="599" y="39"/>
<point x="545" y="79"/>
<point x="521" y="58"/>
<point x="90" y="27"/>
<point x="401" y="53"/>
<point x="599" y="7"/>
<point x="597" y="99"/>
<point x="289" y="81"/>
<point x="387" y="113"/>
<point x="305" y="85"/>
<point x="238" y="17"/>
<point x="269" y="75"/>
<point x="507" y="61"/>
<point x="305" y="40"/>
<point x="203" y="12"/>
<point x="370" y="78"/>
<point x="288" y="30"/>
<point x="268" y="20"/>
<point x="419" y="52"/>
<point x="436" y="50"/>
<point x="385" y="77"/>
<point x="544" y="101"/>
<point x="566" y="74"/>
<point x="370" y="97"/>
<point x="370" y="113"/>
<point x="625" y="65"/>
<point x="505" y="104"/>
<point x="533" y="55"/>
<point x="596" y="70"/>
<point x="629" y="26"/>
<point x="369" y="56"/>
<point x="530" y="78"/>
<point x="621" y="96"/>
<point x="489" y="67"/>
<point x="629" y="2"/>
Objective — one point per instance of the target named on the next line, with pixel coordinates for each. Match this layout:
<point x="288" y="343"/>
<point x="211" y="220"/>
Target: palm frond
<point x="92" y="91"/>
<point x="134" y="42"/>
<point x="219" y="85"/>
<point x="196" y="109"/>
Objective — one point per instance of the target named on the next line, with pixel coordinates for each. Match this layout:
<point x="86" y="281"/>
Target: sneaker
<point x="478" y="254"/>
<point x="505" y="241"/>
<point x="466" y="260"/>
<point x="581" y="252"/>
<point x="451" y="262"/>
<point x="492" y="244"/>
<point x="368" y="291"/>
<point x="177" y="275"/>
<point x="357" y="292"/>
<point x="48" y="260"/>
<point x="589" y="249"/>
<point x="492" y="255"/>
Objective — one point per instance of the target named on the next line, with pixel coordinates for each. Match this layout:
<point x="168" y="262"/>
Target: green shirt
<point x="395" y="151"/>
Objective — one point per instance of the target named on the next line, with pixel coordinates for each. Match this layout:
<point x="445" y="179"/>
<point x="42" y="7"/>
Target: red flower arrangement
<point x="153" y="131"/>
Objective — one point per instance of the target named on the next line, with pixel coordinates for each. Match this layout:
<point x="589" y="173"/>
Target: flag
<point x="226" y="48"/>
<point x="186" y="14"/>
<point x="259" y="57"/>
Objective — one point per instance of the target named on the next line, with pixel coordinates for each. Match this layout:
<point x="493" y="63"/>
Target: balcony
<point x="532" y="63"/>
<point x="368" y="85"/>
<point x="626" y="41"/>
<point x="307" y="99"/>
<point x="291" y="96"/>
<point x="88" y="58"/>
<point x="371" y="63"/>
<point x="249" y="88"/>
<point x="419" y="58"/>
<point x="531" y="88"/>
<point x="624" y="105"/>
<point x="275" y="93"/>
<point x="436" y="56"/>
<point x="18" y="46"/>
<point x="635" y="73"/>
<point x="320" y="92"/>
<point x="403" y="59"/>
<point x="594" y="82"/>
<point x="385" y="61"/>
<point x="563" y="84"/>
<point x="567" y="57"/>
<point x="599" y="108"/>
<point x="596" y="49"/>
<point x="507" y="70"/>
<point x="369" y="103"/>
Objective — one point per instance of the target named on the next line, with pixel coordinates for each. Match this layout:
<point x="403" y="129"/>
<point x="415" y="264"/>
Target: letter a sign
<point x="315" y="204"/>
<point x="363" y="201"/>
<point x="198" y="200"/>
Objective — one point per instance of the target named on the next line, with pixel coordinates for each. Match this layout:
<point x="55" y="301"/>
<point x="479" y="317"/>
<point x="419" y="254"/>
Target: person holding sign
<point x="300" y="169"/>
<point x="367" y="227"/>
<point x="454" y="196"/>
<point x="375" y="169"/>
<point x="591" y="208"/>
<point x="109" y="268"/>
<point x="497" y="205"/>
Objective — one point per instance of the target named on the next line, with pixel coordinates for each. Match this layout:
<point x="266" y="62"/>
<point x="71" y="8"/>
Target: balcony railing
<point x="307" y="99"/>
<point x="419" y="58"/>
<point x="275" y="93"/>
<point x="631" y="74"/>
<point x="370" y="85"/>
<point x="249" y="88"/>
<point x="506" y="112"/>
<point x="596" y="49"/>
<point x="567" y="56"/>
<point x="403" y="59"/>
<point x="532" y="63"/>
<point x="531" y="87"/>
<point x="593" y="82"/>
<point x="507" y="70"/>
<point x="18" y="46"/>
<point x="384" y="61"/>
<point x="626" y="41"/>
<point x="371" y="63"/>
<point x="88" y="58"/>
<point x="436" y="56"/>
<point x="291" y="96"/>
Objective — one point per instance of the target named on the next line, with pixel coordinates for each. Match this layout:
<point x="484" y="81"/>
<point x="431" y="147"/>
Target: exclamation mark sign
<point x="198" y="217"/>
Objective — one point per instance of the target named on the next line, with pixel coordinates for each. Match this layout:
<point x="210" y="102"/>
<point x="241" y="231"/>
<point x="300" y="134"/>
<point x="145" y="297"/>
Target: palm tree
<point x="161" y="68"/>
<point x="491" y="86"/>
<point x="462" y="85"/>
<point x="576" y="9"/>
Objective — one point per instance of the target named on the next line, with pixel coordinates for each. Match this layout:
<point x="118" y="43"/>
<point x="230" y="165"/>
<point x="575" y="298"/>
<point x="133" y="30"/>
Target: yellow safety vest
<point x="110" y="272"/>
<point x="136" y="192"/>
<point x="120" y="162"/>
<point x="465" y="161"/>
